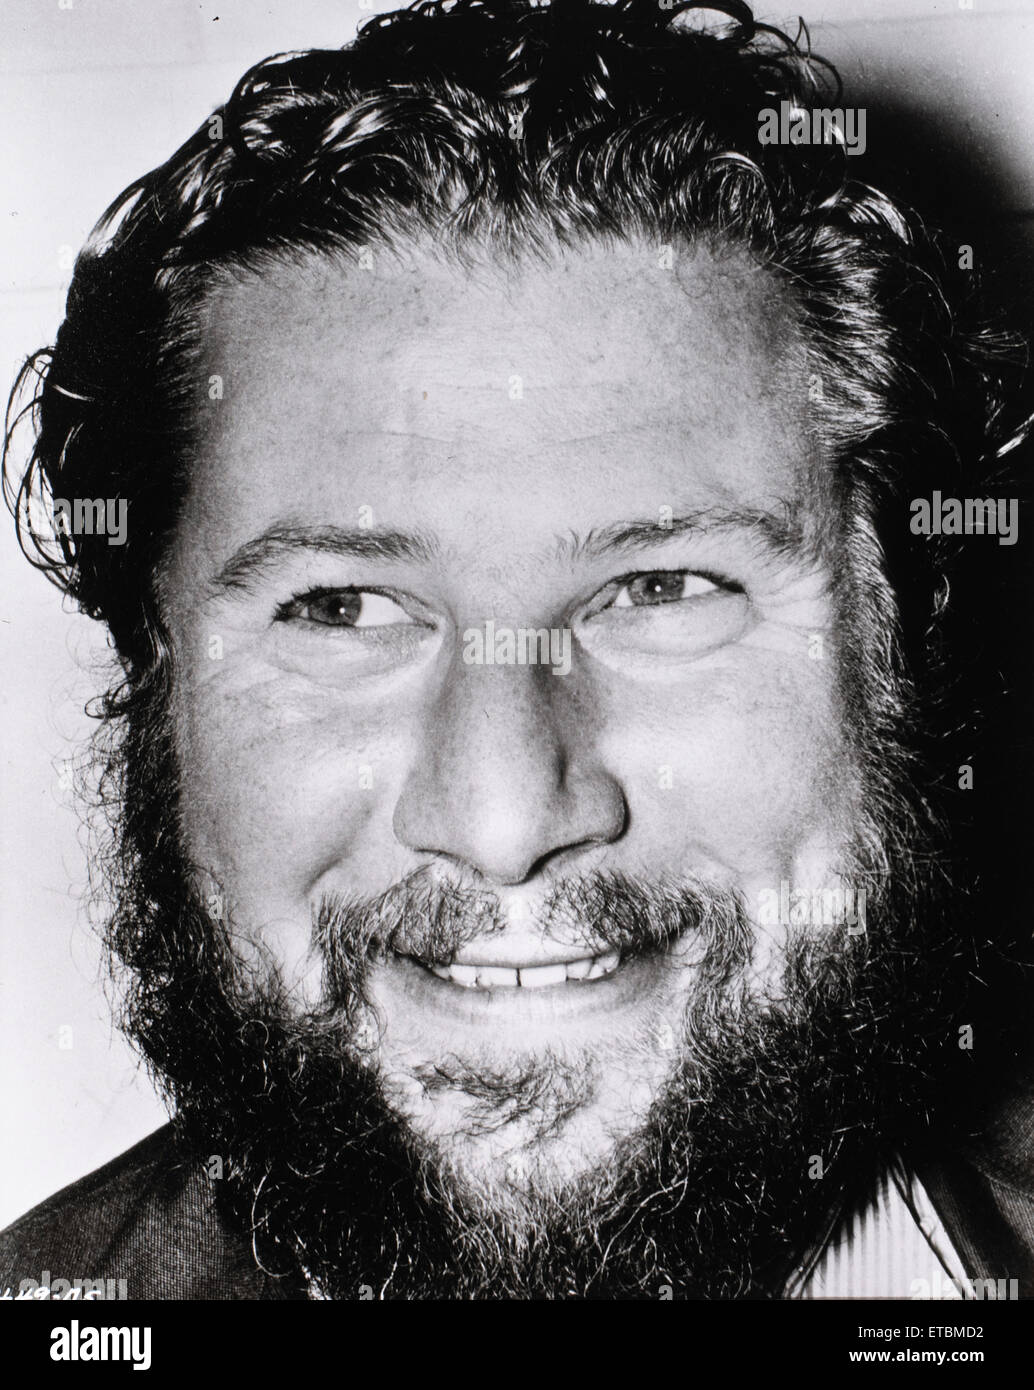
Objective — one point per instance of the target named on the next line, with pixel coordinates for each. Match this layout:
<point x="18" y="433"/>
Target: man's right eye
<point x="344" y="608"/>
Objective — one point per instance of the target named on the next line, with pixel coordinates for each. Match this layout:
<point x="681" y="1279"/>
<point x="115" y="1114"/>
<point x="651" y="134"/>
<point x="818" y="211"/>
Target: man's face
<point x="600" y="447"/>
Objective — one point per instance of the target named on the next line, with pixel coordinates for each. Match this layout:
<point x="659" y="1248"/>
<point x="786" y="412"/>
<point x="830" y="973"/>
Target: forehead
<point x="608" y="380"/>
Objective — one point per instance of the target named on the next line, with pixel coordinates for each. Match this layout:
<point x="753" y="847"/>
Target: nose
<point x="505" y="778"/>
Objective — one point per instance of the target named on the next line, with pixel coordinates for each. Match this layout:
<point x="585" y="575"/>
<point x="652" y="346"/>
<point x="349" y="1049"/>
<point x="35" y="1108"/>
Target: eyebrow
<point x="780" y="533"/>
<point x="262" y="554"/>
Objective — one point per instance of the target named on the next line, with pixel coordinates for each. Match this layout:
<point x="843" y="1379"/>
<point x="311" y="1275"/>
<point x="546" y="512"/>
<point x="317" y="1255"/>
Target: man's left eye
<point x="348" y="608"/>
<point x="662" y="586"/>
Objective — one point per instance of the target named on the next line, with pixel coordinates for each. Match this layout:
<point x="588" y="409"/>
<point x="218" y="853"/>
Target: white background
<point x="94" y="92"/>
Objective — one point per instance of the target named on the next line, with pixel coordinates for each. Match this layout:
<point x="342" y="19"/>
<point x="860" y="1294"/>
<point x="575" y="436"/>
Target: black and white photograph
<point x="517" y="628"/>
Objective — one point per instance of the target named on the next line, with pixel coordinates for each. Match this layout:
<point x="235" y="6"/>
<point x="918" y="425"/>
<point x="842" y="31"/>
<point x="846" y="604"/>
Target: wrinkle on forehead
<point x="601" y="361"/>
<point x="423" y="302"/>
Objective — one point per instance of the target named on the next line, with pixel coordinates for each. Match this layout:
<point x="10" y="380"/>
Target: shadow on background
<point x="965" y="195"/>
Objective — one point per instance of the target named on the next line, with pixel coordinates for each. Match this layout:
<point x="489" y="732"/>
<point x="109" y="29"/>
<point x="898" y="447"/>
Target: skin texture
<point x="510" y="418"/>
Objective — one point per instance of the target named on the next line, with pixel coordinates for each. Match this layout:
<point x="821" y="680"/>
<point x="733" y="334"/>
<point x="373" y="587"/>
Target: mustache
<point x="430" y="919"/>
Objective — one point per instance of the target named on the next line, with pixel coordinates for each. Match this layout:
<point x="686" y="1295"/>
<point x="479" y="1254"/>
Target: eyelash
<point x="292" y="608"/>
<point x="720" y="581"/>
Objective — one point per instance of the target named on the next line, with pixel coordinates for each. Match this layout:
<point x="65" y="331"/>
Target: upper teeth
<point x="529" y="976"/>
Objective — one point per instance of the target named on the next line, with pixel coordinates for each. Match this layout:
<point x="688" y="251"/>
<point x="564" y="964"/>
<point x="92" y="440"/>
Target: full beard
<point x="774" y="1114"/>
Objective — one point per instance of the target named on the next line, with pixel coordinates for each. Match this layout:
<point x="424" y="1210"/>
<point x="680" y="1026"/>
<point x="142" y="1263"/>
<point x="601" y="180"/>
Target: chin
<point x="525" y="1129"/>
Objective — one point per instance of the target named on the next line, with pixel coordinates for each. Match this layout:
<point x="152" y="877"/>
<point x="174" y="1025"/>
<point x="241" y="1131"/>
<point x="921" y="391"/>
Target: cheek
<point x="732" y="773"/>
<point x="282" y="782"/>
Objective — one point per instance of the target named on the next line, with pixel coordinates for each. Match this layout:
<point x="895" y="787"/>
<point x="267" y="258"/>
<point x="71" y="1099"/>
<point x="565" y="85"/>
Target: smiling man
<point x="456" y="959"/>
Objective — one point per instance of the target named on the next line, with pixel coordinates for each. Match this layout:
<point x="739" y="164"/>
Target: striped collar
<point x="896" y="1247"/>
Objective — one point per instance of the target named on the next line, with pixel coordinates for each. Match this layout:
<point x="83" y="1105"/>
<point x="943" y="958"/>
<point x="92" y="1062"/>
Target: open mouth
<point x="475" y="976"/>
<point x="509" y="996"/>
